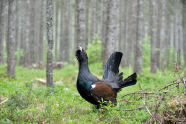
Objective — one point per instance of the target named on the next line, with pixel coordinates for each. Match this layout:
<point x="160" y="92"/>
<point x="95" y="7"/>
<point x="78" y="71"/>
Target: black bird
<point x="96" y="91"/>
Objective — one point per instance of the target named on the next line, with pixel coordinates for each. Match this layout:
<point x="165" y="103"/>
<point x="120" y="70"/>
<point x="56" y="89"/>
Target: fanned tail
<point x="131" y="80"/>
<point x="112" y="64"/>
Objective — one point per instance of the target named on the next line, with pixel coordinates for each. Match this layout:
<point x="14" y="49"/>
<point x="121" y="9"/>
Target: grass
<point x="29" y="101"/>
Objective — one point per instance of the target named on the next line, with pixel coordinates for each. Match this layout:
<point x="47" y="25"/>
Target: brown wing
<point x="102" y="91"/>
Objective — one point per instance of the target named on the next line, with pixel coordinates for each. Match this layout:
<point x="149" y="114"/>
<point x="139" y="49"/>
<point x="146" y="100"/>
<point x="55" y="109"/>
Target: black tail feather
<point x="112" y="64"/>
<point x="131" y="80"/>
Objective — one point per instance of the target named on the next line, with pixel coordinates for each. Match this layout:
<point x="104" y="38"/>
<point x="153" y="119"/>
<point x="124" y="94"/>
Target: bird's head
<point x="81" y="55"/>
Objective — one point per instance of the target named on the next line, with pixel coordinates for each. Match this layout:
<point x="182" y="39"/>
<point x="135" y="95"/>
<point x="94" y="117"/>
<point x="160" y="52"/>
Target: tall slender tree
<point x="154" y="25"/>
<point x="117" y="30"/>
<point x="42" y="30"/>
<point x="133" y="25"/>
<point x="18" y="26"/>
<point x="75" y="26"/>
<point x="179" y="26"/>
<point x="80" y="23"/>
<point x="32" y="31"/>
<point x="49" y="66"/>
<point x="2" y="25"/>
<point x="158" y="42"/>
<point x="93" y="19"/>
<point x="62" y="32"/>
<point x="124" y="20"/>
<point x="138" y="63"/>
<point x="176" y="5"/>
<point x="87" y="3"/>
<point x="128" y="43"/>
<point x="163" y="34"/>
<point x="146" y="17"/>
<point x="104" y="26"/>
<point x="22" y="33"/>
<point x="11" y="39"/>
<point x="112" y="33"/>
<point x="27" y="37"/>
<point x="66" y="41"/>
<point x="56" y="28"/>
<point x="37" y="29"/>
<point x="184" y="30"/>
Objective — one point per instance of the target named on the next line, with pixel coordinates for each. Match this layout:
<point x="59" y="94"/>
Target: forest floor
<point x="156" y="98"/>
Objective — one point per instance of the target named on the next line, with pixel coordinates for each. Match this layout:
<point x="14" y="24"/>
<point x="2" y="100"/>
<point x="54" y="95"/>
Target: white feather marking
<point x="93" y="86"/>
<point x="80" y="48"/>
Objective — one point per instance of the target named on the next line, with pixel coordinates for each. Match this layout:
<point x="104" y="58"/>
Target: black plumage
<point x="94" y="90"/>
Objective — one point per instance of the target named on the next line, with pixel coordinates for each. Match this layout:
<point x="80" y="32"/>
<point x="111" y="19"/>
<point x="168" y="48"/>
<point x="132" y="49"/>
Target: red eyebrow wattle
<point x="85" y="52"/>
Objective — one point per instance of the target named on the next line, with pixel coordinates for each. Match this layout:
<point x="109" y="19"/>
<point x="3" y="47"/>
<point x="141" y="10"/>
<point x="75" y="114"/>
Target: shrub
<point x="94" y="50"/>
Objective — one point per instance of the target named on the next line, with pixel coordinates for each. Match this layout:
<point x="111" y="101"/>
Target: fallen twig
<point x="3" y="101"/>
<point x="147" y="108"/>
<point x="154" y="115"/>
<point x="138" y="93"/>
<point x="127" y="101"/>
<point x="181" y="120"/>
<point x="169" y="85"/>
<point x="41" y="80"/>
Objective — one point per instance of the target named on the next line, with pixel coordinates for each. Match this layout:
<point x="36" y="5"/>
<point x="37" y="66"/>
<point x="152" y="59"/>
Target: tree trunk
<point x="128" y="45"/>
<point x="62" y="33"/>
<point x="56" y="29"/>
<point x="168" y="30"/>
<point x="184" y="32"/>
<point x="71" y="29"/>
<point x="19" y="25"/>
<point x="163" y="34"/>
<point x="154" y="25"/>
<point x="117" y="31"/>
<point x="87" y="23"/>
<point x="80" y="23"/>
<point x="123" y="63"/>
<point x="112" y="29"/>
<point x="37" y="28"/>
<point x="75" y="26"/>
<point x="179" y="8"/>
<point x="158" y="44"/>
<point x="22" y="33"/>
<point x="27" y="37"/>
<point x="176" y="25"/>
<point x="66" y="41"/>
<point x="32" y="31"/>
<point x="93" y="19"/>
<point x="138" y="61"/>
<point x="147" y="17"/>
<point x="49" y="66"/>
<point x="103" y="28"/>
<point x="42" y="30"/>
<point x="121" y="28"/>
<point x="2" y="30"/>
<point x="11" y="39"/>
<point x="134" y="29"/>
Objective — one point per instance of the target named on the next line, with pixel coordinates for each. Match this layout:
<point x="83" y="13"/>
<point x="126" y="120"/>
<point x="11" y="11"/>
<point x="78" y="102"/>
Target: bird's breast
<point x="84" y="90"/>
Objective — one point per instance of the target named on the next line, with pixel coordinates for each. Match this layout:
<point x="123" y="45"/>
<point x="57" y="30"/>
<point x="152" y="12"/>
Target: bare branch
<point x="3" y="101"/>
<point x="145" y="92"/>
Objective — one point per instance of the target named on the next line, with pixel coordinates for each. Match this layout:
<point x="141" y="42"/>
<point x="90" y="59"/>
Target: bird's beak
<point x="80" y="48"/>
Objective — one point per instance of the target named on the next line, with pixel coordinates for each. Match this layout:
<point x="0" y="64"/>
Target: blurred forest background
<point x="149" y="32"/>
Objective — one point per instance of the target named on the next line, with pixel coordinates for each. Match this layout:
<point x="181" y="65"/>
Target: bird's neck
<point x="83" y="67"/>
<point x="84" y="73"/>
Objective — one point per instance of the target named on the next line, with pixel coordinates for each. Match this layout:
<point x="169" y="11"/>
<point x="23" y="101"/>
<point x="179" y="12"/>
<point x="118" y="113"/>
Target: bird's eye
<point x="85" y="52"/>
